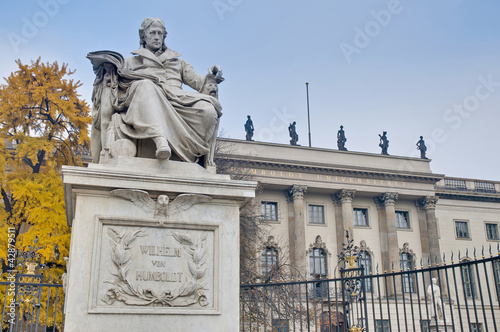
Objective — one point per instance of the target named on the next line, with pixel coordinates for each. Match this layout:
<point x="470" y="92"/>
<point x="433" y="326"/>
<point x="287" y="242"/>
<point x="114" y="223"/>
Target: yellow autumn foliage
<point x="44" y="124"/>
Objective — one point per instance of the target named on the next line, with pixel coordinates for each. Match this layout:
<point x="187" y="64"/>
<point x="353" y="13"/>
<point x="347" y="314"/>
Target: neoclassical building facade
<point x="398" y="211"/>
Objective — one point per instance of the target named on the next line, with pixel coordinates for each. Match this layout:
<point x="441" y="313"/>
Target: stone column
<point x="297" y="230"/>
<point x="388" y="233"/>
<point x="388" y="236"/>
<point x="428" y="203"/>
<point x="424" y="235"/>
<point x="345" y="197"/>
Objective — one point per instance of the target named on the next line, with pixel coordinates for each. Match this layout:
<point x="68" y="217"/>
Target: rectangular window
<point x="476" y="327"/>
<point x="382" y="325"/>
<point x="468" y="281"/>
<point x="496" y="275"/>
<point x="402" y="220"/>
<point x="425" y="325"/>
<point x="269" y="211"/>
<point x="280" y="325"/>
<point x="492" y="231"/>
<point x="360" y="217"/>
<point x="462" y="229"/>
<point x="317" y="214"/>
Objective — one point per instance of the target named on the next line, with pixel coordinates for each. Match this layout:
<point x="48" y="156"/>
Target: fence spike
<point x="482" y="251"/>
<point x="475" y="253"/>
<point x="498" y="248"/>
<point x="392" y="266"/>
<point x="421" y="262"/>
<point x="444" y="258"/>
<point x="429" y="262"/>
<point x="452" y="257"/>
<point x="467" y="252"/>
<point x="377" y="268"/>
<point x="491" y="254"/>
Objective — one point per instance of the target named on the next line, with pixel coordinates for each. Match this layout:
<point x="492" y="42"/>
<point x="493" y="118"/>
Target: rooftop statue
<point x="422" y="147"/>
<point x="140" y="108"/>
<point x="341" y="139"/>
<point x="384" y="142"/>
<point x="293" y="133"/>
<point x="249" y="128"/>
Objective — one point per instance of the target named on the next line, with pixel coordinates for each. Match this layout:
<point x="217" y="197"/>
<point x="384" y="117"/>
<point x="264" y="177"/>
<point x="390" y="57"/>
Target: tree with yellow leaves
<point x="44" y="124"/>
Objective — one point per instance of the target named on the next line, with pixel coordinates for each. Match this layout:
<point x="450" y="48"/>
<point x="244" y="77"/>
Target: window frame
<point x="267" y="203"/>
<point x="491" y="223"/>
<point x="469" y="282"/>
<point x="466" y="222"/>
<point x="309" y="219"/>
<point x="382" y="328"/>
<point x="322" y="255"/>
<point x="366" y="215"/>
<point x="269" y="254"/>
<point x="407" y="264"/>
<point x="408" y="222"/>
<point x="367" y="270"/>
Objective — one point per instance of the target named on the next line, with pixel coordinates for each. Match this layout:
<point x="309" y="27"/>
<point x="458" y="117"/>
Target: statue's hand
<point x="216" y="72"/>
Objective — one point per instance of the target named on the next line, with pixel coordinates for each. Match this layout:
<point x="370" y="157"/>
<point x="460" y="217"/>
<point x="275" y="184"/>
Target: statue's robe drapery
<point x="156" y="106"/>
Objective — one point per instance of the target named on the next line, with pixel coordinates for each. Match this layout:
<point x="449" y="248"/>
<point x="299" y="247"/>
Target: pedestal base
<point x="154" y="246"/>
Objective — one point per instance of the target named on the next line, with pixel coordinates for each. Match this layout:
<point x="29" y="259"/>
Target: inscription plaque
<point x="146" y="266"/>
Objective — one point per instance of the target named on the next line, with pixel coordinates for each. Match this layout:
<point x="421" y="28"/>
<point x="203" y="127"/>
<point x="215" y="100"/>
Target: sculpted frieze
<point x="172" y="266"/>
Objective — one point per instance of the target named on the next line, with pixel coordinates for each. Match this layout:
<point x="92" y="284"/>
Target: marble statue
<point x="293" y="133"/>
<point x="421" y="146"/>
<point x="249" y="128"/>
<point x="341" y="139"/>
<point x="384" y="142"/>
<point x="140" y="100"/>
<point x="434" y="295"/>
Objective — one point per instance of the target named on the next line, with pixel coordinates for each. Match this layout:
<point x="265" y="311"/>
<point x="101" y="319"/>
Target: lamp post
<point x="308" y="117"/>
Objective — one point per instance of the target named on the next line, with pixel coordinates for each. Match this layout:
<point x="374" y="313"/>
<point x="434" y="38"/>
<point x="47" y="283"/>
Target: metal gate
<point x="455" y="296"/>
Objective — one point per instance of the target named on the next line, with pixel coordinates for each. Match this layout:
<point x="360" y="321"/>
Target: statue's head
<point x="150" y="23"/>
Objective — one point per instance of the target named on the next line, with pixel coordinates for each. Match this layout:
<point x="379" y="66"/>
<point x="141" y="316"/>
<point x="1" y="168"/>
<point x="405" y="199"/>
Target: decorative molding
<point x="124" y="290"/>
<point x="406" y="249"/>
<point x="297" y="191"/>
<point x="427" y="202"/>
<point x="271" y="242"/>
<point x="364" y="247"/>
<point x="162" y="208"/>
<point x="385" y="199"/>
<point x="319" y="244"/>
<point x="345" y="195"/>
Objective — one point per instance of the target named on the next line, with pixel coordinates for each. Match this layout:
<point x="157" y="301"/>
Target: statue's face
<point x="154" y="37"/>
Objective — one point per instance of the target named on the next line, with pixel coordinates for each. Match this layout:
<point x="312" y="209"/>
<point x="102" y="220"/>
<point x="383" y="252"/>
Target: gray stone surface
<point x="141" y="98"/>
<point x="154" y="243"/>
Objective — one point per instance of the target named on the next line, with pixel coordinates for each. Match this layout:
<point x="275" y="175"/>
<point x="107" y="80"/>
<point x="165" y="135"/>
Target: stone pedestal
<point x="154" y="246"/>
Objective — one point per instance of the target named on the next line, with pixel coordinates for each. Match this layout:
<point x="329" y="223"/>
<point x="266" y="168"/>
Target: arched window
<point x="407" y="265"/>
<point x="269" y="260"/>
<point x="468" y="279"/>
<point x="365" y="261"/>
<point x="317" y="263"/>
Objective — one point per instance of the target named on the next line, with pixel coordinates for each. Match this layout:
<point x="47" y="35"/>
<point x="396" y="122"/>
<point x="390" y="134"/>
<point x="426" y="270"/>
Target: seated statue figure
<point x="140" y="108"/>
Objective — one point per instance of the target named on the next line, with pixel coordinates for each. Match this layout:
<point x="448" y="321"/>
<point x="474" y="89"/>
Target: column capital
<point x="344" y="195"/>
<point x="427" y="202"/>
<point x="386" y="199"/>
<point x="296" y="191"/>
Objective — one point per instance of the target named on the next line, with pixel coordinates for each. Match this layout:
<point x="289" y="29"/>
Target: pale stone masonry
<point x="408" y="208"/>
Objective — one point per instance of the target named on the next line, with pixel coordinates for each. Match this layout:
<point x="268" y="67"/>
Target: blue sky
<point x="408" y="67"/>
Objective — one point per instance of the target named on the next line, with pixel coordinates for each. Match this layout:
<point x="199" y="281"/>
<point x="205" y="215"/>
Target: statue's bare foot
<point x="163" y="150"/>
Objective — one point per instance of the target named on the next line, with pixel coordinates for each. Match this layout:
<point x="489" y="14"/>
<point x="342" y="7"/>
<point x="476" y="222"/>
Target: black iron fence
<point x="460" y="296"/>
<point x="30" y="304"/>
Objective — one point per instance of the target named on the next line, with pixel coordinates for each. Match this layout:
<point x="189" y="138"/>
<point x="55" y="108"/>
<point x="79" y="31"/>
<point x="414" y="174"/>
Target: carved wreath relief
<point x="158" y="267"/>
